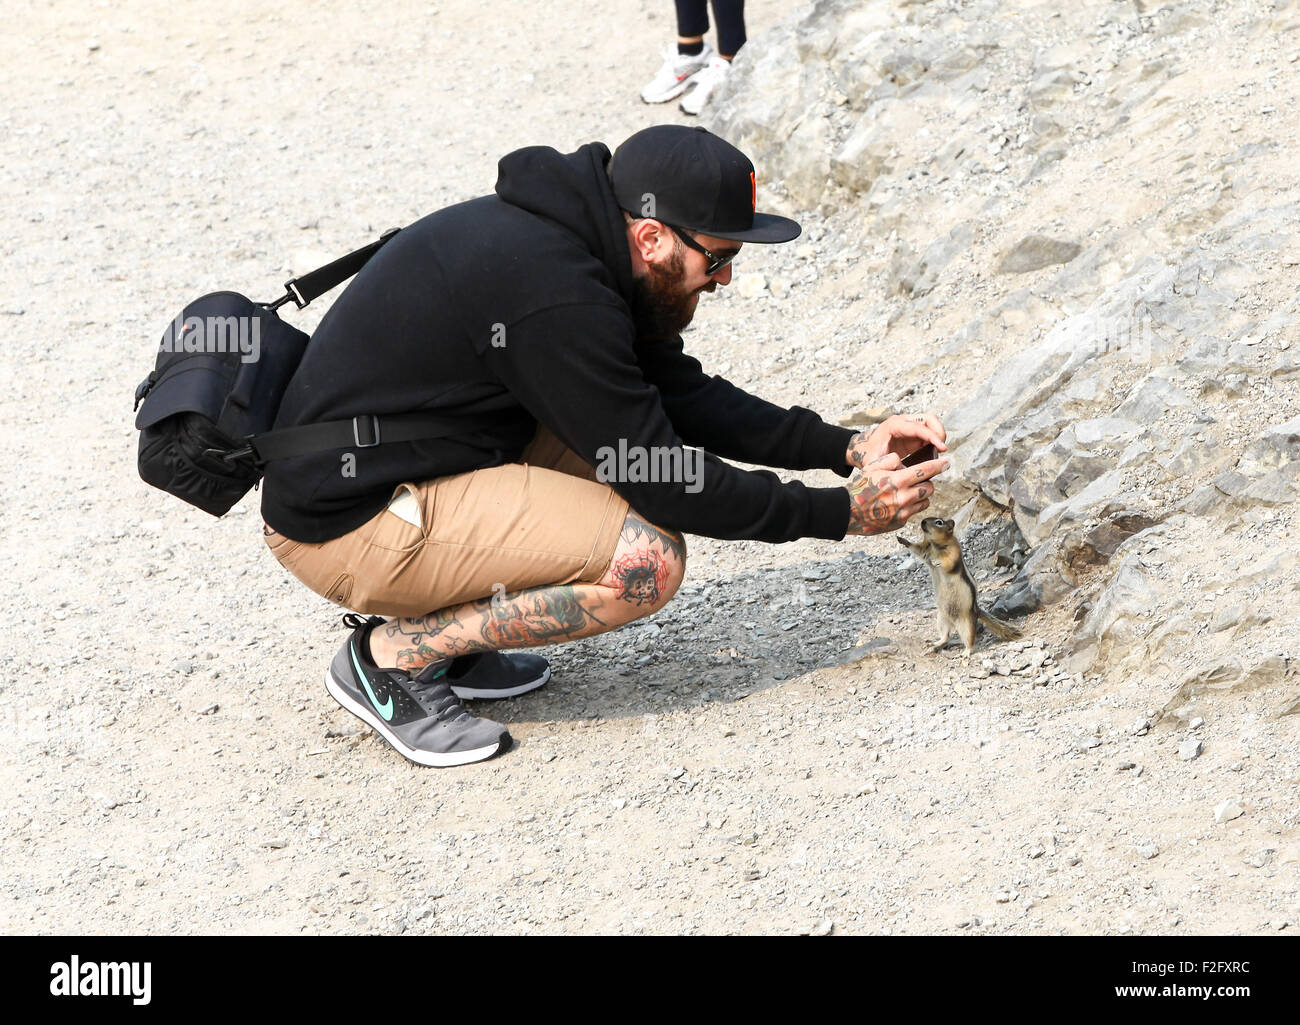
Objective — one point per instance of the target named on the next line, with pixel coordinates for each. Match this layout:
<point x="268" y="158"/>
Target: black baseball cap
<point x="690" y="178"/>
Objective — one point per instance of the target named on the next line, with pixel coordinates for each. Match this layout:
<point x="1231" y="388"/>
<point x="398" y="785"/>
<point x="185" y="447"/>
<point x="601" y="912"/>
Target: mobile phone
<point x="921" y="455"/>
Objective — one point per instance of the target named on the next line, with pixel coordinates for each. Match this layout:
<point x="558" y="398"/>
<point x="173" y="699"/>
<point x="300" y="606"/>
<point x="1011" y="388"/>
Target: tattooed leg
<point x="645" y="572"/>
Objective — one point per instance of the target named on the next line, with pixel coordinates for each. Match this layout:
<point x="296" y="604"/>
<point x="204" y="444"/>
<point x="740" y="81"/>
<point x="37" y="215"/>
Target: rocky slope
<point x="1072" y="231"/>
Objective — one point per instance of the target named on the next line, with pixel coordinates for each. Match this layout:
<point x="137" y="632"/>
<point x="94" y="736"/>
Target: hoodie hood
<point x="572" y="190"/>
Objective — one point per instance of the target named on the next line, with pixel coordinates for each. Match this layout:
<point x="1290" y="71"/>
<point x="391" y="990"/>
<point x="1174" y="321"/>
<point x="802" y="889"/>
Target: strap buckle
<point x="229" y="457"/>
<point x="291" y="294"/>
<point x="371" y="431"/>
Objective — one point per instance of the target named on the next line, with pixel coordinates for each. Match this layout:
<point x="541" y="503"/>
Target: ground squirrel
<point x="954" y="591"/>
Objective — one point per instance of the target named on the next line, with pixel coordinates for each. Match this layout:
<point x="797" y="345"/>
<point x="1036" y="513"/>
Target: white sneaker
<point x="704" y="84"/>
<point x="678" y="71"/>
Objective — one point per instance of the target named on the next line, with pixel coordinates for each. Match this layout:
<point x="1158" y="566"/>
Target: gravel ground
<point x="776" y="751"/>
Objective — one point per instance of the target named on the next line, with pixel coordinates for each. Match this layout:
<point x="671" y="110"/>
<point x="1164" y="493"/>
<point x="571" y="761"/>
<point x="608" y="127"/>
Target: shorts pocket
<point x="282" y="548"/>
<point x="340" y="591"/>
<point x="394" y="534"/>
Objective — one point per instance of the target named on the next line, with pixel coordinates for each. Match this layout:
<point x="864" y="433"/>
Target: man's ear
<point x="647" y="239"/>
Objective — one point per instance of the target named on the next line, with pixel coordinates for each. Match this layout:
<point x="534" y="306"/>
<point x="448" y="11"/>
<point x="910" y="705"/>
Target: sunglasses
<point x="716" y="260"/>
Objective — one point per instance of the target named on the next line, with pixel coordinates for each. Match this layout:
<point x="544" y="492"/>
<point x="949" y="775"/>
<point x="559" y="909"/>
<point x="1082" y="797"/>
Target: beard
<point x="661" y="307"/>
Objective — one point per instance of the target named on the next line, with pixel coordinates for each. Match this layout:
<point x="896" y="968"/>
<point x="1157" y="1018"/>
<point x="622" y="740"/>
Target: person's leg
<point x="730" y="18"/>
<point x="512" y="556"/>
<point x="692" y="23"/>
<point x="645" y="571"/>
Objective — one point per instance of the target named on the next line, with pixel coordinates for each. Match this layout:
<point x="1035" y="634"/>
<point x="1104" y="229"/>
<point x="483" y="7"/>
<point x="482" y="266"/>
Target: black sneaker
<point x="497" y="674"/>
<point x="420" y="716"/>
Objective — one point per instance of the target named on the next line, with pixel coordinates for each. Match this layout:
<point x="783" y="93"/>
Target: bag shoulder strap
<point x="360" y="431"/>
<point x="312" y="285"/>
<point x="363" y="432"/>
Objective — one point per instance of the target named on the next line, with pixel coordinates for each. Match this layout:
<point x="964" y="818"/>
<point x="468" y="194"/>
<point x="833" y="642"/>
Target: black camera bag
<point x="205" y="413"/>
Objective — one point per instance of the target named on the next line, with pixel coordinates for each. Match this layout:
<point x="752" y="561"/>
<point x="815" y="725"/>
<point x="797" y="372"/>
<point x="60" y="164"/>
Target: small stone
<point x="750" y="286"/>
<point x="823" y="928"/>
<point x="1087" y="744"/>
<point x="1035" y="252"/>
<point x="1125" y="766"/>
<point x="1148" y="850"/>
<point x="1037" y="852"/>
<point x="209" y="710"/>
<point x="1228" y="810"/>
<point x="1189" y="749"/>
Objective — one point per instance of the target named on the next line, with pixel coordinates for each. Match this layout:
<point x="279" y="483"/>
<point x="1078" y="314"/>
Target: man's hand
<point x="884" y="494"/>
<point x="900" y="435"/>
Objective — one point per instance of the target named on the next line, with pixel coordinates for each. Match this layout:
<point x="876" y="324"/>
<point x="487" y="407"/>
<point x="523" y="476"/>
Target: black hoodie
<point x="517" y="305"/>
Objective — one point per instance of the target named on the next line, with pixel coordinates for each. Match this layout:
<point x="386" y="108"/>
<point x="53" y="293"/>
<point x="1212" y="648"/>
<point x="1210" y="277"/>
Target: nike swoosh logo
<point x="386" y="709"/>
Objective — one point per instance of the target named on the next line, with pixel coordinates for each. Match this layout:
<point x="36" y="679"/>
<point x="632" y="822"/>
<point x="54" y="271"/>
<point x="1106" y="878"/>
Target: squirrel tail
<point x="1005" y="631"/>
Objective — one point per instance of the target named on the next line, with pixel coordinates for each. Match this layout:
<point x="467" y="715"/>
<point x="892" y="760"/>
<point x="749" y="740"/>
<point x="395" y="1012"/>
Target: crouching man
<point x="555" y="307"/>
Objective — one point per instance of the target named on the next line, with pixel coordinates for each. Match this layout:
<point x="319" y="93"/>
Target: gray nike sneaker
<point x="420" y="716"/>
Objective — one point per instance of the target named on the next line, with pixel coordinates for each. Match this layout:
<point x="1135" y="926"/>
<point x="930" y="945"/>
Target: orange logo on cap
<point x="753" y="193"/>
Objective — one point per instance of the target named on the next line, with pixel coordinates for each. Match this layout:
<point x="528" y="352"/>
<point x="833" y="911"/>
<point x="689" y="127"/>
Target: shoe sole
<point x="428" y="759"/>
<point x="471" y="693"/>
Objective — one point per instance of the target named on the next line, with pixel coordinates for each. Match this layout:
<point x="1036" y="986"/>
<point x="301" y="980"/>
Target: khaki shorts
<point x="542" y="521"/>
